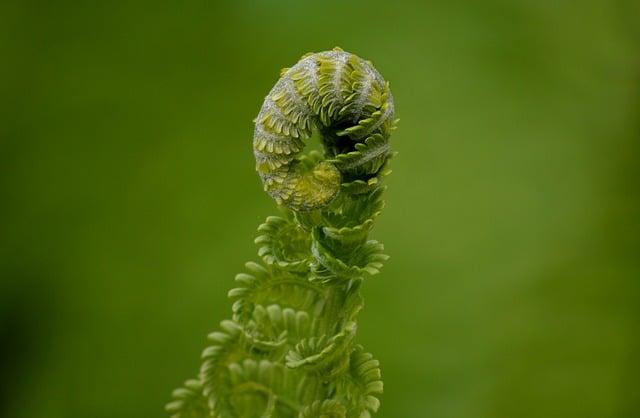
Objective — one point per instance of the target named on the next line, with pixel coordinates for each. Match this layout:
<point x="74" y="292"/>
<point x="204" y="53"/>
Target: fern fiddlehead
<point x="289" y="349"/>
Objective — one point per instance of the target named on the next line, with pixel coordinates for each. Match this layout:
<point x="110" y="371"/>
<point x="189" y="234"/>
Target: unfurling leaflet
<point x="289" y="350"/>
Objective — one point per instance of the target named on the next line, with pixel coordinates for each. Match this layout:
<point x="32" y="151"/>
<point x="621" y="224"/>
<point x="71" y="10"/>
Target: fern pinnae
<point x="289" y="349"/>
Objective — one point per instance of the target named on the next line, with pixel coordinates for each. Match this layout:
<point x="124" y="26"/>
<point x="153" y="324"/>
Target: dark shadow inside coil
<point x="334" y="144"/>
<point x="325" y="144"/>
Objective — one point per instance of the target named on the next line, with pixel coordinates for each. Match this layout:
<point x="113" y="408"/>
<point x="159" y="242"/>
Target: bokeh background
<point x="128" y="198"/>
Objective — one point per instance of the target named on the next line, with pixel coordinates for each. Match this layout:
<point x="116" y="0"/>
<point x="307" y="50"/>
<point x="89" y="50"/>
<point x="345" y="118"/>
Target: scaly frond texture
<point x="289" y="349"/>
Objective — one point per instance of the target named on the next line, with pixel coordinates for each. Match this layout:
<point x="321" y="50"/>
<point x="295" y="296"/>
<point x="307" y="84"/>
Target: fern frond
<point x="320" y="353"/>
<point x="329" y="408"/>
<point x="368" y="156"/>
<point x="328" y="268"/>
<point x="265" y="286"/>
<point x="284" y="243"/>
<point x="189" y="401"/>
<point x="289" y="350"/>
<point x="363" y="384"/>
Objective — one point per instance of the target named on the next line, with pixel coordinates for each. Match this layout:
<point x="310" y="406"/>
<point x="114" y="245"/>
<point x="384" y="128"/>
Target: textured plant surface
<point x="289" y="350"/>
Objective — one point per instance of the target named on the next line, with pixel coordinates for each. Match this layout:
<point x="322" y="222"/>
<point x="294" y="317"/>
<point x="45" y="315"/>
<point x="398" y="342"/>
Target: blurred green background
<point x="128" y="198"/>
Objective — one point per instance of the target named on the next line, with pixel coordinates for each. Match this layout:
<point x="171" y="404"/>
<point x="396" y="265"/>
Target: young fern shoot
<point x="289" y="350"/>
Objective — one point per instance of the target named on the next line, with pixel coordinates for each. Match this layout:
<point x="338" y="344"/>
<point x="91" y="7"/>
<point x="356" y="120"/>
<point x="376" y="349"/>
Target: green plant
<point x="289" y="350"/>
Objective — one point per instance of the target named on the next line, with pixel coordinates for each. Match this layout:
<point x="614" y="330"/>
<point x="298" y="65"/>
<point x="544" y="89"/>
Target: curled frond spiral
<point x="289" y="350"/>
<point x="346" y="101"/>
